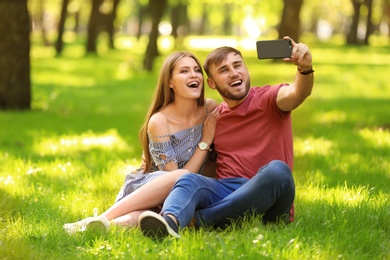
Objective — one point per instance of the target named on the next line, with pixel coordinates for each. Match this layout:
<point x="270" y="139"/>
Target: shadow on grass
<point x="337" y="225"/>
<point x="358" y="155"/>
<point x="32" y="229"/>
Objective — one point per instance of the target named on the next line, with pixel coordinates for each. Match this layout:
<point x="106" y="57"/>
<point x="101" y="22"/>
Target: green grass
<point x="69" y="155"/>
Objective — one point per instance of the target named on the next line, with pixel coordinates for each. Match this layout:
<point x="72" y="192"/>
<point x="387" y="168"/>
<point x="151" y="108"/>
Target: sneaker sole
<point x="96" y="226"/>
<point x="154" y="226"/>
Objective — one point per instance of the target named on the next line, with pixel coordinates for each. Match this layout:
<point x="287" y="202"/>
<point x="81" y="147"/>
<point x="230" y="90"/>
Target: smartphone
<point x="274" y="49"/>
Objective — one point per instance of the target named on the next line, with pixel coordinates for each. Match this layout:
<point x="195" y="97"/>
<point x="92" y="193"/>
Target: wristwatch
<point x="203" y="146"/>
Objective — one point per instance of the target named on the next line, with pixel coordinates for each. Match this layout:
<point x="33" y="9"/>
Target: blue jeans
<point x="217" y="203"/>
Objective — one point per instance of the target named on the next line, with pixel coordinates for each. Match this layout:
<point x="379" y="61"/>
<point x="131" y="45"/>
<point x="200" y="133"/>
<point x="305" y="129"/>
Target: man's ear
<point x="211" y="83"/>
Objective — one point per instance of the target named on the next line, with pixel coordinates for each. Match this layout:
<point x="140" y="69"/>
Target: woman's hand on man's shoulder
<point x="211" y="104"/>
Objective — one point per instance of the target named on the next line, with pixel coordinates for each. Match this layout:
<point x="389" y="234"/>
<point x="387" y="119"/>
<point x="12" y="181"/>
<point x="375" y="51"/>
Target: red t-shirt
<point x="252" y="134"/>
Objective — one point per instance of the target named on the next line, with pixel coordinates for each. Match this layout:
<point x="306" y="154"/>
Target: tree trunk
<point x="76" y="16"/>
<point x="41" y="11"/>
<point x="352" y="35"/>
<point x="175" y="19"/>
<point x="180" y="23"/>
<point x="386" y="7"/>
<point x="369" y="25"/>
<point x="111" y="23"/>
<point x="15" y="92"/>
<point x="204" y="20"/>
<point x="93" y="26"/>
<point x="156" y="8"/>
<point x="141" y="15"/>
<point x="227" y="21"/>
<point x="61" y="27"/>
<point x="290" y="24"/>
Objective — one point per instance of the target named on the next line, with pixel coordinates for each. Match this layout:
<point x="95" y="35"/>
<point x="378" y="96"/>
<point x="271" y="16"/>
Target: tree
<point x="369" y="25"/>
<point x="41" y="19"/>
<point x="156" y="9"/>
<point x="142" y="11"/>
<point x="290" y="23"/>
<point x="93" y="26"/>
<point x="204" y="20"/>
<point x="15" y="80"/>
<point x="101" y="21"/>
<point x="179" y="19"/>
<point x="227" y="21"/>
<point x="352" y="36"/>
<point x="111" y="22"/>
<point x="61" y="26"/>
<point x="386" y="8"/>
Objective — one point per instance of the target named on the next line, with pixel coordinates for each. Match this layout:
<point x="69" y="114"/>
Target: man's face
<point x="231" y="79"/>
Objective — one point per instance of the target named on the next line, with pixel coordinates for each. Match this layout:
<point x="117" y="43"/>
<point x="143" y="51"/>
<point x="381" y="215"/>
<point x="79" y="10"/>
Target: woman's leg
<point x="150" y="195"/>
<point x="131" y="219"/>
<point x="128" y="220"/>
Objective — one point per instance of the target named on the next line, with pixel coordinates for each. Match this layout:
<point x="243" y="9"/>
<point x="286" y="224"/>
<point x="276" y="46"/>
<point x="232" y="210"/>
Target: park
<point x="69" y="152"/>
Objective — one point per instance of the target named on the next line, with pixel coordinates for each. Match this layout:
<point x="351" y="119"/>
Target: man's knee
<point x="189" y="180"/>
<point x="277" y="166"/>
<point x="277" y="171"/>
<point x="187" y="177"/>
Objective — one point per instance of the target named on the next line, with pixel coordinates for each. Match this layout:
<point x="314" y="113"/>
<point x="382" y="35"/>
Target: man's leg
<point x="271" y="192"/>
<point x="193" y="191"/>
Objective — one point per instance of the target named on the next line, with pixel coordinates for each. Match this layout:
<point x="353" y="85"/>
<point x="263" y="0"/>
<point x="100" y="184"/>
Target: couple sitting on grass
<point x="251" y="133"/>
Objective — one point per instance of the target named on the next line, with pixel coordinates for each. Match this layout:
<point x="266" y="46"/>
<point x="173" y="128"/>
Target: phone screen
<point x="274" y="49"/>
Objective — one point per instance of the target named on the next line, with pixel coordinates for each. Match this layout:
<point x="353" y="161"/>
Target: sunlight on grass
<point x="330" y="56"/>
<point x="209" y="43"/>
<point x="343" y="195"/>
<point x="57" y="166"/>
<point x="311" y="145"/>
<point x="329" y="117"/>
<point x="378" y="137"/>
<point x="66" y="79"/>
<point x="7" y="180"/>
<point x="69" y="144"/>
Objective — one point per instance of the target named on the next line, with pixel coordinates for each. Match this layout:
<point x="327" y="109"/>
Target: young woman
<point x="176" y="135"/>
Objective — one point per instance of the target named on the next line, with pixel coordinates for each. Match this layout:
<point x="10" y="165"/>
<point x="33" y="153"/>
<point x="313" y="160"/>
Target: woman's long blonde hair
<point x="164" y="95"/>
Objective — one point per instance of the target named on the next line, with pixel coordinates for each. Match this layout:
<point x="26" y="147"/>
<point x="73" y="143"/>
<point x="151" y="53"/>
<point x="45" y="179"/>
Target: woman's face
<point x="187" y="79"/>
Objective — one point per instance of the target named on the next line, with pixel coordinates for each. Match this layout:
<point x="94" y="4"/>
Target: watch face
<point x="203" y="146"/>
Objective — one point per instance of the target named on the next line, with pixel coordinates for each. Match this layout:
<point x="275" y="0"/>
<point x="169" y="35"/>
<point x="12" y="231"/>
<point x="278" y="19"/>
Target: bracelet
<point x="306" y="72"/>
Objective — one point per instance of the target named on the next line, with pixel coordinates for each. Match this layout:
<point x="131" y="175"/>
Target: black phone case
<point x="273" y="49"/>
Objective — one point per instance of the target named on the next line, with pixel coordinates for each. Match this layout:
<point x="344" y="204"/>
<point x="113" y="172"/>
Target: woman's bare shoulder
<point x="158" y="125"/>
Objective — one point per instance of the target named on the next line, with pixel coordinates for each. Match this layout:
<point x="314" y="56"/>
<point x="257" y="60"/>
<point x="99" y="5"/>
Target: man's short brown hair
<point x="217" y="56"/>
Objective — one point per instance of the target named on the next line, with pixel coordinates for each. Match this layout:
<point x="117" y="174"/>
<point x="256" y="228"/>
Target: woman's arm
<point x="158" y="126"/>
<point x="153" y="193"/>
<point x="198" y="158"/>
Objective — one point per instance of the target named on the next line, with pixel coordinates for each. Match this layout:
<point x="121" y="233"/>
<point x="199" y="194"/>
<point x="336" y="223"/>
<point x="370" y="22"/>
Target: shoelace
<point x="95" y="212"/>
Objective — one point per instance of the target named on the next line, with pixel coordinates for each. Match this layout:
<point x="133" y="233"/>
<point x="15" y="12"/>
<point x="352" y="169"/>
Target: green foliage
<point x="70" y="153"/>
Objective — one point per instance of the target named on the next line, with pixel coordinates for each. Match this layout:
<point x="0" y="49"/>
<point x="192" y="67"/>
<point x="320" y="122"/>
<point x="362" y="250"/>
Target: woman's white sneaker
<point x="97" y="223"/>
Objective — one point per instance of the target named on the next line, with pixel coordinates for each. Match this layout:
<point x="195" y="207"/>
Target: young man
<point x="254" y="143"/>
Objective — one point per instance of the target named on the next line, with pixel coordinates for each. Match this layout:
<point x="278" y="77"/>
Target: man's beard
<point x="225" y="93"/>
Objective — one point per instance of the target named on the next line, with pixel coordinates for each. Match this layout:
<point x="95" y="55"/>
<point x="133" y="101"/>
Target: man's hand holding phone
<point x="286" y="49"/>
<point x="300" y="55"/>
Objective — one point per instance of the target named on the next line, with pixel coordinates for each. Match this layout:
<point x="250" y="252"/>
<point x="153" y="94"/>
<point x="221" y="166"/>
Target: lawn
<point x="69" y="155"/>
